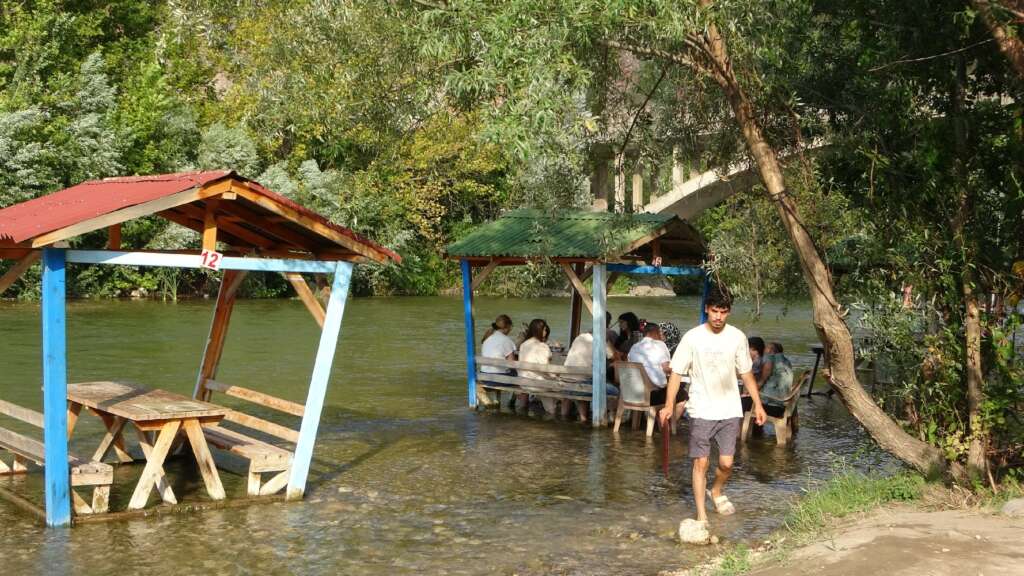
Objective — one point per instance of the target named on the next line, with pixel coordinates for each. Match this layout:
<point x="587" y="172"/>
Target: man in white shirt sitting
<point x="652" y="353"/>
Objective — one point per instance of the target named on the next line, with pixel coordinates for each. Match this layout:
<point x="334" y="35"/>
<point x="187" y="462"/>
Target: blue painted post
<point x="598" y="401"/>
<point x="318" y="382"/>
<point x="55" y="390"/>
<point x="467" y="311"/>
<point x="704" y="298"/>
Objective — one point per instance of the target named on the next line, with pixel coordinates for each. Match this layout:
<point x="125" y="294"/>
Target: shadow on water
<point x="405" y="479"/>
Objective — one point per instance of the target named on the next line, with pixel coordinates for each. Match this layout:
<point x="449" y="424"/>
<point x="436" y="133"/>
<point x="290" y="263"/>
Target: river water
<point x="405" y="479"/>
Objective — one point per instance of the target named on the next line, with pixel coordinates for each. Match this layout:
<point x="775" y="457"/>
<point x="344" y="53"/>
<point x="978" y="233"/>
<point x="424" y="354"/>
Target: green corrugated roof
<point x="528" y="233"/>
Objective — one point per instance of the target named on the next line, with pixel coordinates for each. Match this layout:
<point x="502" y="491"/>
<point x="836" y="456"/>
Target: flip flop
<point x="722" y="504"/>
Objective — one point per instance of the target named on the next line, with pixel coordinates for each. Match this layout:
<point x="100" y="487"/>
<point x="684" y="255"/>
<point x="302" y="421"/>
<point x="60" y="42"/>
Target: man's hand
<point x="759" y="414"/>
<point x="665" y="414"/>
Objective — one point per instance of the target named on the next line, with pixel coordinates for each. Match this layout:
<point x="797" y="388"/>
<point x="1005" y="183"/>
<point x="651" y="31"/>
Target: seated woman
<point x="497" y="344"/>
<point x="629" y="334"/>
<point x="581" y="354"/>
<point x="535" y="350"/>
<point x="778" y="382"/>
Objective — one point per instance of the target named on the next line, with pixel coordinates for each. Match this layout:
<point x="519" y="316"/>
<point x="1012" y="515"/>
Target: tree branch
<point x="629" y="132"/>
<point x="1009" y="43"/>
<point x="674" y="57"/>
<point x="934" y="56"/>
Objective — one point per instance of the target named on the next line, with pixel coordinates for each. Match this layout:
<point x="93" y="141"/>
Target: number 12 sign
<point x="210" y="259"/>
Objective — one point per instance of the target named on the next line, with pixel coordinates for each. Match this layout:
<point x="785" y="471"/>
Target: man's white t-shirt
<point x="713" y="362"/>
<point x="497" y="345"/>
<point x="536" y="352"/>
<point x="652" y="354"/>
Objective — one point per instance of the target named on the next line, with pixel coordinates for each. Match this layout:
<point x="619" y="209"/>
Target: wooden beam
<point x="644" y="240"/>
<point x="312" y="224"/>
<point x="576" y="308"/>
<point x="267" y="225"/>
<point x="265" y="426"/>
<point x="177" y="216"/>
<point x="318" y="381"/>
<point x="21" y="413"/>
<point x="224" y="224"/>
<point x="114" y="237"/>
<point x="124" y="214"/>
<point x="193" y="260"/>
<point x="266" y="400"/>
<point x="578" y="285"/>
<point x="483" y="274"/>
<point x="218" y="331"/>
<point x="19" y="268"/>
<point x="210" y="226"/>
<point x="306" y="295"/>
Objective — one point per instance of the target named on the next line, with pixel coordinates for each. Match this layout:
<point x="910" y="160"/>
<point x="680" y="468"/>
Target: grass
<point x="849" y="493"/>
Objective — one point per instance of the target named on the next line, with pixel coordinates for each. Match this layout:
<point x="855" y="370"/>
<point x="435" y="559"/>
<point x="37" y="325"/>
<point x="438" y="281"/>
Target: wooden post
<point x="218" y="331"/>
<point x="467" y="311"/>
<point x="704" y="298"/>
<point x="576" y="309"/>
<point x="597" y="395"/>
<point x="319" y="380"/>
<point x="55" y="390"/>
<point x="114" y="237"/>
<point x="210" y="225"/>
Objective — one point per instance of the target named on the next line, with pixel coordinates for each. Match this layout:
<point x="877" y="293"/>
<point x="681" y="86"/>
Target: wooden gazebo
<point x="586" y="245"/>
<point x="245" y="228"/>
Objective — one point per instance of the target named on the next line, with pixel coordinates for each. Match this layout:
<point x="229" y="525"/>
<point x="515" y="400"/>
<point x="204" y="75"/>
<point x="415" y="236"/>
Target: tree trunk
<point x="1009" y="43"/>
<point x="977" y="464"/>
<point x="828" y="317"/>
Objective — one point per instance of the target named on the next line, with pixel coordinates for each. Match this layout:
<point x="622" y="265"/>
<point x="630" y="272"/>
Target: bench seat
<point x="262" y="457"/>
<point x="83" y="473"/>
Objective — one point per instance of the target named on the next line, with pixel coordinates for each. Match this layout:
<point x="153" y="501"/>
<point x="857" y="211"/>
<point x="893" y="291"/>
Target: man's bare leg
<point x="700" y="470"/>
<point x="722" y="474"/>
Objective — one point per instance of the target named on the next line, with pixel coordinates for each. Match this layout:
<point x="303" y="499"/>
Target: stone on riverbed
<point x="1014" y="508"/>
<point x="694" y="532"/>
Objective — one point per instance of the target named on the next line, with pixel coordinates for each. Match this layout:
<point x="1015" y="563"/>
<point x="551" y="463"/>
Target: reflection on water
<point x="405" y="479"/>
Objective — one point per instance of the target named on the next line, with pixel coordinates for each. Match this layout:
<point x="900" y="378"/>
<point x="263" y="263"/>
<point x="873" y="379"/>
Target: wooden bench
<point x="551" y="387"/>
<point x="262" y="457"/>
<point x="25" y="450"/>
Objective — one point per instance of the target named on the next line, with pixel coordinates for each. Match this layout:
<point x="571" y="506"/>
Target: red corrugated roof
<point x="27" y="220"/>
<point x="88" y="200"/>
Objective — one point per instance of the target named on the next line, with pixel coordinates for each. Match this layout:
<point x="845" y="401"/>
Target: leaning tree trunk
<point x="828" y="316"/>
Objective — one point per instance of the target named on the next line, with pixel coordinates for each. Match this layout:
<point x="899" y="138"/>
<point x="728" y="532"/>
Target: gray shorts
<point x="724" y="432"/>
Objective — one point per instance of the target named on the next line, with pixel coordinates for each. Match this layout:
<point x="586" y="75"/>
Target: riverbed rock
<point x="694" y="532"/>
<point x="1014" y="508"/>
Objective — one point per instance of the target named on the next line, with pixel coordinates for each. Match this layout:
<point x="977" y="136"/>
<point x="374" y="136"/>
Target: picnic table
<point x="158" y="417"/>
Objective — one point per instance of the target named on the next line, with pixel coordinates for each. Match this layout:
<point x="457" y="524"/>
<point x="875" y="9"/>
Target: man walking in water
<point x="714" y="354"/>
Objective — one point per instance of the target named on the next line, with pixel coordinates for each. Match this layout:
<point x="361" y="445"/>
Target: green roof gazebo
<point x="586" y="245"/>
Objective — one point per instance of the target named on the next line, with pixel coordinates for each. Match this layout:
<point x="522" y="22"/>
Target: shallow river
<point x="405" y="479"/>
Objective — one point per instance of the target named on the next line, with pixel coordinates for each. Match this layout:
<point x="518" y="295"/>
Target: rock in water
<point x="1014" y="507"/>
<point x="694" y="532"/>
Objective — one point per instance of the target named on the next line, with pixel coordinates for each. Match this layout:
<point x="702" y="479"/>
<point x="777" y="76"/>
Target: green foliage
<point x="849" y="493"/>
<point x="735" y="561"/>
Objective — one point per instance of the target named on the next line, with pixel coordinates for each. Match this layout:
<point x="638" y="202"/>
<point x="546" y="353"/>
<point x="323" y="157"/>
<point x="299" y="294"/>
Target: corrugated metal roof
<point x="23" y="222"/>
<point x="528" y="233"/>
<point x="26" y="220"/>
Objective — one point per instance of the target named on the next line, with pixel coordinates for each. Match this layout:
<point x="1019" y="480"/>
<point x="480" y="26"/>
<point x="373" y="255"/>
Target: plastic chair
<point x="787" y="422"/>
<point x="635" y="389"/>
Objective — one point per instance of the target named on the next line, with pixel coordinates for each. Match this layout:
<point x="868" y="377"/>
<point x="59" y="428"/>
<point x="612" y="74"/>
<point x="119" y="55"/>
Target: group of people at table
<point x="648" y="343"/>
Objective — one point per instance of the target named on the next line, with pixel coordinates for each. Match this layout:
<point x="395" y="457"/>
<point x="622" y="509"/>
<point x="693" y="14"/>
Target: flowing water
<point x="405" y="479"/>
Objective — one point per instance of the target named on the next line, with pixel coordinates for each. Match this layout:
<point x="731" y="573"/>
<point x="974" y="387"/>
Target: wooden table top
<point x="133" y="402"/>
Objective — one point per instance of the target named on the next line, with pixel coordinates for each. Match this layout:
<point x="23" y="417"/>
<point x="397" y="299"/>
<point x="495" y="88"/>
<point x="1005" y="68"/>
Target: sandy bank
<point x="904" y="541"/>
